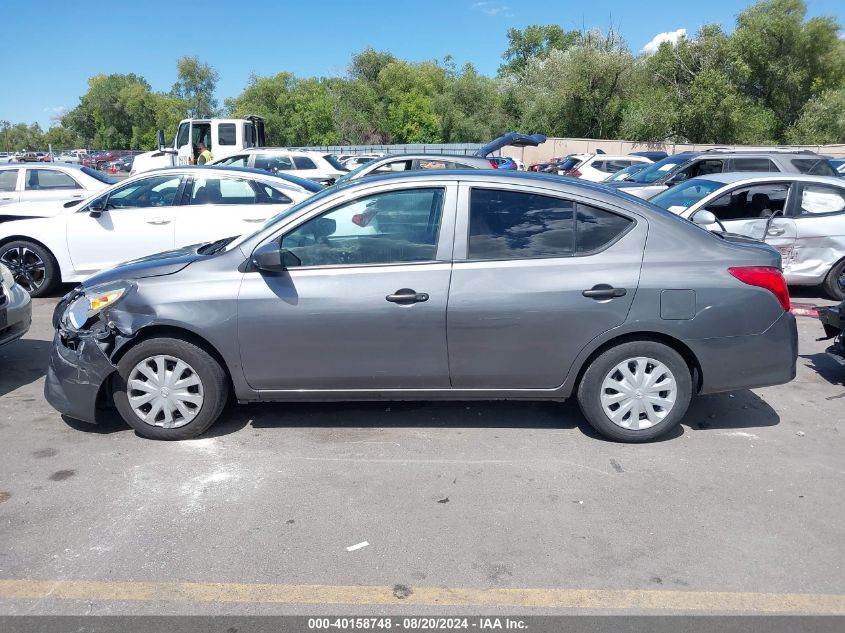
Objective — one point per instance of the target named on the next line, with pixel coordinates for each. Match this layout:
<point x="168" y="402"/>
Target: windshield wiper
<point x="215" y="247"/>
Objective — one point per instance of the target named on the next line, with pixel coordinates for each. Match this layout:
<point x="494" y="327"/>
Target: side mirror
<point x="96" y="208"/>
<point x="703" y="217"/>
<point x="272" y="258"/>
<point x="160" y="139"/>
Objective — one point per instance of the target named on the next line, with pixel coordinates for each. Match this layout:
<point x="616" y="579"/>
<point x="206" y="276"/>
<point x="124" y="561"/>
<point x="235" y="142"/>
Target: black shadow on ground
<point x="22" y="362"/>
<point x="825" y="367"/>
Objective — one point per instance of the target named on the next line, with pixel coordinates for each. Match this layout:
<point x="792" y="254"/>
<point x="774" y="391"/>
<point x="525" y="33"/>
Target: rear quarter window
<point x="813" y="166"/>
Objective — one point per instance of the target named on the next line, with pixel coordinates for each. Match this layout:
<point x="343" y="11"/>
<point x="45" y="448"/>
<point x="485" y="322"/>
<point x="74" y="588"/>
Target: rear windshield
<point x="98" y="175"/>
<point x="334" y="162"/>
<point x="569" y="163"/>
<point x="659" y="169"/>
<point x="813" y="166"/>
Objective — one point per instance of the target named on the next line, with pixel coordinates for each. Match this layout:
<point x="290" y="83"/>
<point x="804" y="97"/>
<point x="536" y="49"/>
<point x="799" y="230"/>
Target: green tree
<point x="534" y="42"/>
<point x="195" y="86"/>
<point x="822" y="120"/>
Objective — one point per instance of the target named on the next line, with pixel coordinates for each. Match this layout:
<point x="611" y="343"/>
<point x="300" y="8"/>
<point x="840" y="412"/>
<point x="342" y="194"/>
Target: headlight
<point x="94" y="300"/>
<point x="6" y="277"/>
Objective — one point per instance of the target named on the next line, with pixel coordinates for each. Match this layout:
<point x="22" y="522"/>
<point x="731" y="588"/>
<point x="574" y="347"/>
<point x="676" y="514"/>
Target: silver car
<point x="15" y="308"/>
<point x="803" y="217"/>
<point x="429" y="286"/>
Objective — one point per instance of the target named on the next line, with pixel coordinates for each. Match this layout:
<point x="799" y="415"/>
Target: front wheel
<point x="636" y="391"/>
<point x="33" y="266"/>
<point x="169" y="389"/>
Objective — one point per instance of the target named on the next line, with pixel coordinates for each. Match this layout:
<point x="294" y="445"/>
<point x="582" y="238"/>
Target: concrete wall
<point x="563" y="146"/>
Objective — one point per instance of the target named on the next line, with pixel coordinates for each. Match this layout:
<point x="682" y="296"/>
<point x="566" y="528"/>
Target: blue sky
<point x="51" y="47"/>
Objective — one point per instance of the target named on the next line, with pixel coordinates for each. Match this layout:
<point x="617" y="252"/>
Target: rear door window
<point x="47" y="179"/>
<point x="8" y="179"/>
<point x="303" y="162"/>
<point x="816" y="199"/>
<point x="222" y="191"/>
<point x="519" y="225"/>
<point x="273" y="162"/>
<point x="754" y="164"/>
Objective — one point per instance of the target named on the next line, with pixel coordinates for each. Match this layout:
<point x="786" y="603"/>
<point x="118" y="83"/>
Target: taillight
<point x="767" y="277"/>
<point x="572" y="172"/>
<point x="494" y="164"/>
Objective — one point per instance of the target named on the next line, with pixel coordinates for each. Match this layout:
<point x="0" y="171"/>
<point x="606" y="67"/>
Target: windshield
<point x="684" y="195"/>
<point x="354" y="172"/>
<point x="659" y="169"/>
<point x="98" y="175"/>
<point x="626" y="173"/>
<point x="569" y="163"/>
<point x="334" y="162"/>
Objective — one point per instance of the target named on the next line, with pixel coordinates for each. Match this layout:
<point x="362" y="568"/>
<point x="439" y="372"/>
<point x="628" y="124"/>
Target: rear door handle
<point x="604" y="291"/>
<point x="158" y="222"/>
<point x="406" y="295"/>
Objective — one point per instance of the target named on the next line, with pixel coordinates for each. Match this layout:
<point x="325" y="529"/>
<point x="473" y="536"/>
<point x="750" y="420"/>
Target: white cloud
<point x="56" y="109"/>
<point x="492" y="8"/>
<point x="657" y="40"/>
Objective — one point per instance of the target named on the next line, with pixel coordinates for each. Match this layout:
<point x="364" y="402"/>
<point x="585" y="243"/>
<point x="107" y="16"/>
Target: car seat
<point x="760" y="206"/>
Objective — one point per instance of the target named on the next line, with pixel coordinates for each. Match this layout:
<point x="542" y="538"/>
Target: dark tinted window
<point x="704" y="167"/>
<point x="222" y="191"/>
<point x="515" y="225"/>
<point x="8" y="179"/>
<point x="226" y="133"/>
<point x="597" y="228"/>
<point x="269" y="195"/>
<point x="754" y="164"/>
<point x="569" y="163"/>
<point x="386" y="228"/>
<point x="303" y="162"/>
<point x="98" y="175"/>
<point x="273" y="163"/>
<point x="814" y="166"/>
<point x="334" y="162"/>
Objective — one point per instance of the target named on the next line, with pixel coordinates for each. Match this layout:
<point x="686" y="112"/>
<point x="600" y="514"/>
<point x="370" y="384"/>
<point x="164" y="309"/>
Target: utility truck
<point x="223" y="137"/>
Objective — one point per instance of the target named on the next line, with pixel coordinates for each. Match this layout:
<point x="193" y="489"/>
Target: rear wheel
<point x="169" y="389"/>
<point x="831" y="283"/>
<point x="636" y="391"/>
<point x="33" y="266"/>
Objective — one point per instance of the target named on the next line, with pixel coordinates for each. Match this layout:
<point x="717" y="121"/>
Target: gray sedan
<point x="15" y="308"/>
<point x="439" y="285"/>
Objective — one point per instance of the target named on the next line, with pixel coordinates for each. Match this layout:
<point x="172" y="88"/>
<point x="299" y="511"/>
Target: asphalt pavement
<point x="425" y="507"/>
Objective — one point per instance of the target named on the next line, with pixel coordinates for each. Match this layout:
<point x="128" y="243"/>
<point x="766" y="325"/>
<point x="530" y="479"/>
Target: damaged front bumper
<point x="77" y="371"/>
<point x="79" y="365"/>
<point x="833" y="321"/>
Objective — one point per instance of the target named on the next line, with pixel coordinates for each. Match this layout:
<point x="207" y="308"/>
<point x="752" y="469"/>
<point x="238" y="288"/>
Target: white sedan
<point x="153" y="212"/>
<point x="45" y="182"/>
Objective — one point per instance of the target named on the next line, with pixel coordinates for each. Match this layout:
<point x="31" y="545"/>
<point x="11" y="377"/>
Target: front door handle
<point x="776" y="230"/>
<point x="604" y="291"/>
<point x="254" y="219"/>
<point x="158" y="222"/>
<point x="406" y="295"/>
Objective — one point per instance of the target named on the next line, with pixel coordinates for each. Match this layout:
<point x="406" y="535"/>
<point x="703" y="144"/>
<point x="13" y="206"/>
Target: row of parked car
<point x="274" y="287"/>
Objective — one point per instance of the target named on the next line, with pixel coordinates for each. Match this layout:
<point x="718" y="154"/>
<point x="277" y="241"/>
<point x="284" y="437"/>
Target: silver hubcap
<point x="165" y="391"/>
<point x="638" y="393"/>
<point x="27" y="267"/>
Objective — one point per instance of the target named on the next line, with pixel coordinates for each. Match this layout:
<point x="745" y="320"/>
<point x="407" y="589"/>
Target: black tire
<point x="590" y="389"/>
<point x="212" y="376"/>
<point x="831" y="283"/>
<point x="52" y="274"/>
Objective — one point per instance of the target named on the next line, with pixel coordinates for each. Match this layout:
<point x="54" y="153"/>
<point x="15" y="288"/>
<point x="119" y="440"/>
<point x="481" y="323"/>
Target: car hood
<point x="156" y="265"/>
<point x="511" y="138"/>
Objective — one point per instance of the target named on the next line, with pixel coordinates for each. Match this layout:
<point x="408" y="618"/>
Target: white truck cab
<point x="223" y="137"/>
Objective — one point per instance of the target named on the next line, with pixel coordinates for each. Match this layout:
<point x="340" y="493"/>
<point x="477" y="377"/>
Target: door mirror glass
<point x="96" y="208"/>
<point x="704" y="217"/>
<point x="271" y="258"/>
<point x="160" y="140"/>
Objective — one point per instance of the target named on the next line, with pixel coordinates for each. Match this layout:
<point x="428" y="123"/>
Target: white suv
<point x="599" y="167"/>
<point x="317" y="166"/>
